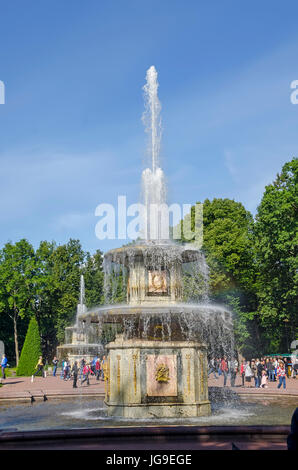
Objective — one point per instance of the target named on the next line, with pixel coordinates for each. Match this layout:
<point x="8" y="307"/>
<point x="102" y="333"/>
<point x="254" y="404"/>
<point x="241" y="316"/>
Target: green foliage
<point x="276" y="240"/>
<point x="44" y="284"/>
<point x="31" y="350"/>
<point x="17" y="264"/>
<point x="253" y="269"/>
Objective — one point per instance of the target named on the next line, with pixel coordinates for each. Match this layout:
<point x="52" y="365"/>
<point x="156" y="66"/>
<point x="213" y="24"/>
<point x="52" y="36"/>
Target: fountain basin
<point x="158" y="379"/>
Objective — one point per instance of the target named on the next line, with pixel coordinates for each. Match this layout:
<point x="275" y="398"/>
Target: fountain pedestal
<point x="163" y="379"/>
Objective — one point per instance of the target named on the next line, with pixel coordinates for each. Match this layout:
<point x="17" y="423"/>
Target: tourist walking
<point x="3" y="366"/>
<point x="233" y="371"/>
<point x="66" y="370"/>
<point x="82" y="364"/>
<point x="97" y="369"/>
<point x="275" y="365"/>
<point x="248" y="373"/>
<point x="264" y="381"/>
<point x="271" y="374"/>
<point x="281" y="375"/>
<point x="55" y="364"/>
<point x="39" y="367"/>
<point x="242" y="372"/>
<point x="75" y="371"/>
<point x="212" y="368"/>
<point x="103" y="367"/>
<point x="224" y="368"/>
<point x="218" y="364"/>
<point x="86" y="372"/>
<point x="254" y="371"/>
<point x="260" y="369"/>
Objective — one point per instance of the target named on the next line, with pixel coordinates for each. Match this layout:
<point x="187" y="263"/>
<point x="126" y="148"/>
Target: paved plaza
<point x="18" y="388"/>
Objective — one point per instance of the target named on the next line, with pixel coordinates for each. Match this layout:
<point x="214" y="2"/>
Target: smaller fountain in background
<point x="82" y="339"/>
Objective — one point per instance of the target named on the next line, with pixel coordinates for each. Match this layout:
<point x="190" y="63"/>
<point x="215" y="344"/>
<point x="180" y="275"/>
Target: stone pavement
<point x="21" y="388"/>
<point x="18" y="388"/>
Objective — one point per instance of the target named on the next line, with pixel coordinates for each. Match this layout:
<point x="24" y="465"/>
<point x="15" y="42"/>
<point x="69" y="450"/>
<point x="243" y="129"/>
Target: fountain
<point x="157" y="364"/>
<point x="82" y="338"/>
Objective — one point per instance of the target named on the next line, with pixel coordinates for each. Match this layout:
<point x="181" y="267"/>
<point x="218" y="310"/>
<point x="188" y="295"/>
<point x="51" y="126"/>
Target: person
<point x="218" y="362"/>
<point x="233" y="371"/>
<point x="86" y="371"/>
<point x="260" y="368"/>
<point x="281" y="375"/>
<point x="292" y="440"/>
<point x="75" y="371"/>
<point x="264" y="381"/>
<point x="271" y="370"/>
<point x="82" y="364"/>
<point x="248" y="373"/>
<point x="254" y="372"/>
<point x="55" y="363"/>
<point x="62" y="369"/>
<point x="212" y="368"/>
<point x="224" y="368"/>
<point x="39" y="367"/>
<point x="294" y="365"/>
<point x="103" y="367"/>
<point x="242" y="372"/>
<point x="97" y="368"/>
<point x="66" y="370"/>
<point x="93" y="364"/>
<point x="275" y="366"/>
<point x="3" y="366"/>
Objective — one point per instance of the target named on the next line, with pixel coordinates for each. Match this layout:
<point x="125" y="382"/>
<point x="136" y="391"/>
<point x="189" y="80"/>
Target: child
<point x="264" y="380"/>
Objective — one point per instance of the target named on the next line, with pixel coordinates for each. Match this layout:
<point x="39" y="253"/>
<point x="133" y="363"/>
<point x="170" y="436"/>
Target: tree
<point x="17" y="264"/>
<point x="276" y="239"/>
<point x="228" y="246"/>
<point x="31" y="350"/>
<point x="45" y="297"/>
<point x="94" y="279"/>
<point x="66" y="266"/>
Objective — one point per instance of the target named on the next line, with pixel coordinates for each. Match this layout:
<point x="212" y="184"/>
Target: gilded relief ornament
<point x="162" y="374"/>
<point x="157" y="281"/>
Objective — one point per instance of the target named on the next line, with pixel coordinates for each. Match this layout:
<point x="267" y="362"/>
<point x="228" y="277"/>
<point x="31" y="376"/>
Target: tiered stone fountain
<point x="157" y="366"/>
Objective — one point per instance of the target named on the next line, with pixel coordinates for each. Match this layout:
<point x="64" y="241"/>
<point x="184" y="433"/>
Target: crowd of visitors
<point x="255" y="373"/>
<point x="77" y="370"/>
<point x="81" y="370"/>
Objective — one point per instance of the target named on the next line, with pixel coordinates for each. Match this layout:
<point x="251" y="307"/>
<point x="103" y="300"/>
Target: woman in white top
<point x="248" y="372"/>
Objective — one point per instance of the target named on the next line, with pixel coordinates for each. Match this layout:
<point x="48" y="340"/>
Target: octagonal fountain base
<point x="159" y="379"/>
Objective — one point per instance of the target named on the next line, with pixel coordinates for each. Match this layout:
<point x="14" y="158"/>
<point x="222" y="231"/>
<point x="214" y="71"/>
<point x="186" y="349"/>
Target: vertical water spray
<point x="151" y="115"/>
<point x="156" y="225"/>
<point x="81" y="308"/>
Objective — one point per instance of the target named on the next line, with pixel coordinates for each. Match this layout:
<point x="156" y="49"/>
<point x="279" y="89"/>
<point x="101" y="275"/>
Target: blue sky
<point x="71" y="135"/>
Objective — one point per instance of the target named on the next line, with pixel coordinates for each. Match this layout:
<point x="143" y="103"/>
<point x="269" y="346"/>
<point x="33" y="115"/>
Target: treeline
<point x="254" y="265"/>
<point x="44" y="283"/>
<point x="253" y="269"/>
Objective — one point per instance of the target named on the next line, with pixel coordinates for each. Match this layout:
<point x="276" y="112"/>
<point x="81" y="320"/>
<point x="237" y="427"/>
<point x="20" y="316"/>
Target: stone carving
<point x="157" y="282"/>
<point x="162" y="373"/>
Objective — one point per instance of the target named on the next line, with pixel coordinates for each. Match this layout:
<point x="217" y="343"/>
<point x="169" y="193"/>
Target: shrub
<point x="31" y="350"/>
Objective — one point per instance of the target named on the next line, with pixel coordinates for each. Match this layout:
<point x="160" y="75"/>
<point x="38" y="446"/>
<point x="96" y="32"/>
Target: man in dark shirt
<point x="75" y="371"/>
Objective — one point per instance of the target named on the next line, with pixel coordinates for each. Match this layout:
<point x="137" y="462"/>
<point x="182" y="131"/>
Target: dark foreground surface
<point x="151" y="438"/>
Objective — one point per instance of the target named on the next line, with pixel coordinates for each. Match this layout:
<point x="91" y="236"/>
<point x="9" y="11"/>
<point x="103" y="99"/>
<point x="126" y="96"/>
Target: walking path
<point x="21" y="388"/>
